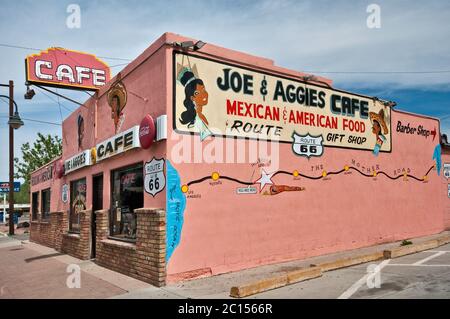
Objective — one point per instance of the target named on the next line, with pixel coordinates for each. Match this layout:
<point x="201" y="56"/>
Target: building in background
<point x="199" y="160"/>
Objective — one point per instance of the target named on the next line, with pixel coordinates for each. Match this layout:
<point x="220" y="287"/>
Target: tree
<point x="44" y="149"/>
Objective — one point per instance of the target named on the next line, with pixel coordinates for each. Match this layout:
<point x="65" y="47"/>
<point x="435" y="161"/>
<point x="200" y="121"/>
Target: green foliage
<point x="23" y="197"/>
<point x="406" y="242"/>
<point x="43" y="150"/>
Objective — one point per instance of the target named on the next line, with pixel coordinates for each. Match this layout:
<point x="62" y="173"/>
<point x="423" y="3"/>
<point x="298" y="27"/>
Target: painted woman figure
<point x="80" y="125"/>
<point x="196" y="97"/>
<point x="378" y="127"/>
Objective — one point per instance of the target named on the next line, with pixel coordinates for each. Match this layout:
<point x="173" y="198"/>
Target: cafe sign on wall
<point x="78" y="161"/>
<point x="218" y="99"/>
<point x="117" y="144"/>
<point x="64" y="68"/>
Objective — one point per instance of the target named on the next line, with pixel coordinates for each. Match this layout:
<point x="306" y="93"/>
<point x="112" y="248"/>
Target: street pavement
<point x="29" y="270"/>
<point x="422" y="275"/>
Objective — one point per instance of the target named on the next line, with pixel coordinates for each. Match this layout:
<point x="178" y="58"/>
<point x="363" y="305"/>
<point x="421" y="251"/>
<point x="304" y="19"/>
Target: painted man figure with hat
<point x="378" y="127"/>
<point x="117" y="99"/>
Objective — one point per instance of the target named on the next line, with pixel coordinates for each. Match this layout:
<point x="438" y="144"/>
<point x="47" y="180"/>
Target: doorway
<point x="97" y="204"/>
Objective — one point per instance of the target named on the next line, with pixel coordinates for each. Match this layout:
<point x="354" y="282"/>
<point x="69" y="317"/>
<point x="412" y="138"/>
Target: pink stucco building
<point x="251" y="164"/>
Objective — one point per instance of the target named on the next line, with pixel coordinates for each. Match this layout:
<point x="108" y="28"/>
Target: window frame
<point x="112" y="205"/>
<point x="71" y="211"/>
<point x="35" y="207"/>
<point x="45" y="215"/>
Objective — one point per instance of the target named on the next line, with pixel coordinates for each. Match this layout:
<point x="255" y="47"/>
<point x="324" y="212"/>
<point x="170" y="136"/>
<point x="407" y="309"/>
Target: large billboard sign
<point x="66" y="69"/>
<point x="219" y="99"/>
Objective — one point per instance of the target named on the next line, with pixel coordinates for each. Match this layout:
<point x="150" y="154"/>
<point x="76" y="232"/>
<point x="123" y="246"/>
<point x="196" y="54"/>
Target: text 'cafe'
<point x="197" y="160"/>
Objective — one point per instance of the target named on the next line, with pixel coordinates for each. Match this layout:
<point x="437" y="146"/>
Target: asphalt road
<point x="421" y="275"/>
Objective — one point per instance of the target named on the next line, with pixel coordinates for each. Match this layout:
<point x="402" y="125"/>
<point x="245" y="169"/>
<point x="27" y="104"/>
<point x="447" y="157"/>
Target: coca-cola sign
<point x="147" y="132"/>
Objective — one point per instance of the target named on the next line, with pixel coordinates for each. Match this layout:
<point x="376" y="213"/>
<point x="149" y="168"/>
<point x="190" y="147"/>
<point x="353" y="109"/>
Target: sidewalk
<point x="30" y="270"/>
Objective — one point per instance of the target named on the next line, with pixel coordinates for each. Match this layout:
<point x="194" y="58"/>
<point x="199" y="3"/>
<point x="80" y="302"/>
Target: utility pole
<point x="11" y="160"/>
<point x="4" y="208"/>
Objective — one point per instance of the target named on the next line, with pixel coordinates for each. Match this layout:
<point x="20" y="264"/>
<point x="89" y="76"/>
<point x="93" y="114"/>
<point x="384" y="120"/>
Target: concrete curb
<point x="410" y="249"/>
<point x="275" y="282"/>
<point x="316" y="270"/>
<point x="351" y="261"/>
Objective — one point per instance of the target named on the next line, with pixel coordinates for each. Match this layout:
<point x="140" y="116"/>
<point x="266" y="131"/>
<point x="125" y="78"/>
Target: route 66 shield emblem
<point x="307" y="145"/>
<point x="154" y="179"/>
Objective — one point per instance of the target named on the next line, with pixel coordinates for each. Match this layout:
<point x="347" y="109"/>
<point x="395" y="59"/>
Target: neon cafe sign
<point x="66" y="69"/>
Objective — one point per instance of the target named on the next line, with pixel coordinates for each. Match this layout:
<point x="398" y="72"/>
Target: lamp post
<point x="14" y="123"/>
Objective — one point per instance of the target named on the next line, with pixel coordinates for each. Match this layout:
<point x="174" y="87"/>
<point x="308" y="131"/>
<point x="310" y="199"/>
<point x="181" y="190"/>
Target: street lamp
<point x="14" y="120"/>
<point x="14" y="123"/>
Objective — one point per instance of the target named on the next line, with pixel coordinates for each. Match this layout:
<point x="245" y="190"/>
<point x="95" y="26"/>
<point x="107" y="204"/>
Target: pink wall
<point x="223" y="231"/>
<point x="54" y="185"/>
<point x="445" y="183"/>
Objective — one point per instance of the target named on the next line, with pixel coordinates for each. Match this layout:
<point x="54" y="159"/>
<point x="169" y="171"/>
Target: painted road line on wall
<point x="354" y="288"/>
<point x="420" y="179"/>
<point x="420" y="262"/>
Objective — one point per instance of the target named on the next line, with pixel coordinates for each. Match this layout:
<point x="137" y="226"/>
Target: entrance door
<point x="97" y="204"/>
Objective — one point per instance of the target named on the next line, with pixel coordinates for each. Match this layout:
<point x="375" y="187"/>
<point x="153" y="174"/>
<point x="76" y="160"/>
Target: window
<point x="127" y="195"/>
<point x="45" y="203"/>
<point x="34" y="205"/>
<point x="77" y="203"/>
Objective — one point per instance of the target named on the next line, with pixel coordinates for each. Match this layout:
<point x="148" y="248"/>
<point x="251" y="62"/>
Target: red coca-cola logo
<point x="147" y="132"/>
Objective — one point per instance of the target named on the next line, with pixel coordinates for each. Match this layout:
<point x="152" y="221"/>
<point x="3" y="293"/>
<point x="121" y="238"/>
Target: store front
<point x="195" y="163"/>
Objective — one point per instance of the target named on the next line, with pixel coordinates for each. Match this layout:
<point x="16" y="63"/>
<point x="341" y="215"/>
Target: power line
<point x="306" y="71"/>
<point x="33" y="120"/>
<point x="27" y="119"/>
<point x="59" y="103"/>
<point x="379" y="72"/>
<point x="36" y="49"/>
<point x="113" y="66"/>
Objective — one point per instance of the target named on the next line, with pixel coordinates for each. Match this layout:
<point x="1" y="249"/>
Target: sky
<point x="328" y="38"/>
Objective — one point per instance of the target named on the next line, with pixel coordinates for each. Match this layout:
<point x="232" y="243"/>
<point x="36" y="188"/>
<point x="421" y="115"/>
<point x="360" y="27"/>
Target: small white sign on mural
<point x="246" y="190"/>
<point x="447" y="170"/>
<point x="448" y="190"/>
<point x="65" y="193"/>
<point x="154" y="180"/>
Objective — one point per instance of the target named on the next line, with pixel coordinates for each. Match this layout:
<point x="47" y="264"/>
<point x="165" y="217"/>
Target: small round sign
<point x="147" y="131"/>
